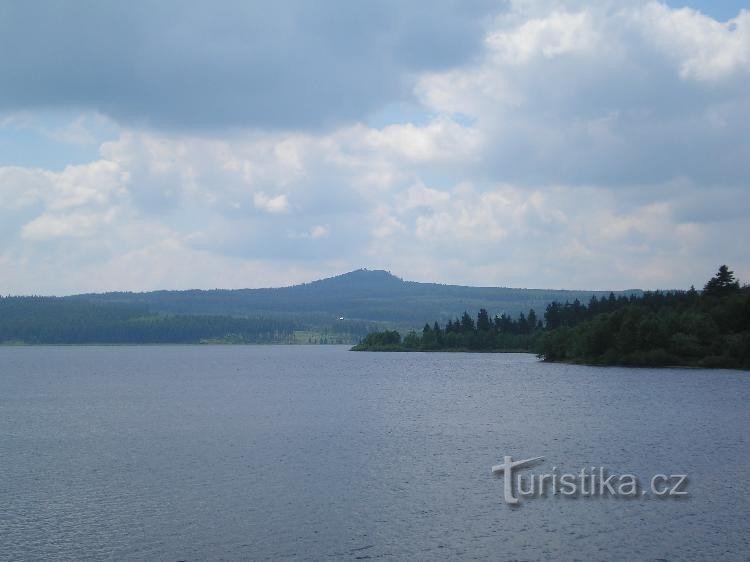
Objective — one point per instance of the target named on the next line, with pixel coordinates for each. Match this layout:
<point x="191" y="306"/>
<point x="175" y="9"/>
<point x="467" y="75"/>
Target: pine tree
<point x="483" y="321"/>
<point x="467" y="323"/>
<point x="531" y="320"/>
<point x="721" y="284"/>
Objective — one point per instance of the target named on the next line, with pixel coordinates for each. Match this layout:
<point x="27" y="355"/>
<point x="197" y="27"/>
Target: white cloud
<point x="277" y="204"/>
<point x="704" y="48"/>
<point x="607" y="94"/>
<point x="419" y="195"/>
<point x="22" y="187"/>
<point x="319" y="231"/>
<point x="76" y="224"/>
<point x="589" y="146"/>
<point x="440" y="140"/>
<point x="557" y="34"/>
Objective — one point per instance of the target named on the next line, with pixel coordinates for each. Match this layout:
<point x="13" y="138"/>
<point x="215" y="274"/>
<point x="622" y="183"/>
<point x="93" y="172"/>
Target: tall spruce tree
<point x="721" y="284"/>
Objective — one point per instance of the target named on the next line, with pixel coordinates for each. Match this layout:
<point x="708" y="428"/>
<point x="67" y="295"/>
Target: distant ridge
<point x="362" y="295"/>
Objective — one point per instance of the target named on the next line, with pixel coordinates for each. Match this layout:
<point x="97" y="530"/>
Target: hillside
<point x="362" y="296"/>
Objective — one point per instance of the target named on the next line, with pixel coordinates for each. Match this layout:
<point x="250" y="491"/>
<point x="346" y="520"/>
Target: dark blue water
<point x="209" y="453"/>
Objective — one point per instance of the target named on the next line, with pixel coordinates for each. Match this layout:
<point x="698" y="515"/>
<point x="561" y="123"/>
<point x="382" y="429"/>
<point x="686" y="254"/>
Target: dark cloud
<point x="281" y="64"/>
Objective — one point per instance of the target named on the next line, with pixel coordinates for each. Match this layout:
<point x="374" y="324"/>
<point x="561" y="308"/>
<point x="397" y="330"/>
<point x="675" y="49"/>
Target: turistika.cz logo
<point x="589" y="481"/>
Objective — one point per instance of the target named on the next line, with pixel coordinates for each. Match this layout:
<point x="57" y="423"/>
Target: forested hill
<point x="365" y="295"/>
<point x="341" y="309"/>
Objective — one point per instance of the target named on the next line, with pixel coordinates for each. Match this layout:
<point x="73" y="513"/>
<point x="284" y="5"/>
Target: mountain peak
<point x="361" y="278"/>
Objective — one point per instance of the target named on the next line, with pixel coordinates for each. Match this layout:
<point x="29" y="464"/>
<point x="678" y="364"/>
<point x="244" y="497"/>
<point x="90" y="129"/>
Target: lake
<point x="273" y="452"/>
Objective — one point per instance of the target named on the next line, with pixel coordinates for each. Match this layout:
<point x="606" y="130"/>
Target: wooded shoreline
<point x="707" y="329"/>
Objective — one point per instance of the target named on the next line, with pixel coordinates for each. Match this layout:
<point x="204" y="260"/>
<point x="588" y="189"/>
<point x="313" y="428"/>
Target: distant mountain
<point x="369" y="296"/>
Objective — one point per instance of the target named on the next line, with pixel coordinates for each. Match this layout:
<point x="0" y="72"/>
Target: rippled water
<point x="208" y="453"/>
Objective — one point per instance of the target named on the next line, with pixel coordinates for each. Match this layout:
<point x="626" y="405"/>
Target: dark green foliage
<point x="363" y="295"/>
<point x="387" y="340"/>
<point x="685" y="328"/>
<point x="483" y="320"/>
<point x="658" y="328"/>
<point x="721" y="284"/>
<point x="502" y="334"/>
<point x="339" y="309"/>
<point x="49" y="320"/>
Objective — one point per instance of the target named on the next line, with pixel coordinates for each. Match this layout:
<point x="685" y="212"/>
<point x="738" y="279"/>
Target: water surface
<point x="208" y="453"/>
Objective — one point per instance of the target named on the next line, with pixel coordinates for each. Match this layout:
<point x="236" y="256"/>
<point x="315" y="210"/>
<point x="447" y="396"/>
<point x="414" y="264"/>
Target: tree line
<point x="498" y="333"/>
<point x="51" y="320"/>
<point x="709" y="328"/>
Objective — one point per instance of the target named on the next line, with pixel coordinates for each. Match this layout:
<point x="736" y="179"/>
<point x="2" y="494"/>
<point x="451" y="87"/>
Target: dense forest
<point x="501" y="333"/>
<point x="373" y="296"/>
<point x="710" y="328"/>
<point x="340" y="309"/>
<point x="50" y="320"/>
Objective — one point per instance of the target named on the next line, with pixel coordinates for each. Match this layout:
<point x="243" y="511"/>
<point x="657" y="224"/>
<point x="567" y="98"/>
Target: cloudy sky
<point x="550" y="143"/>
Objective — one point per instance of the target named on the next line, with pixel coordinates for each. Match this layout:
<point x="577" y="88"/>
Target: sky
<point x="536" y="143"/>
